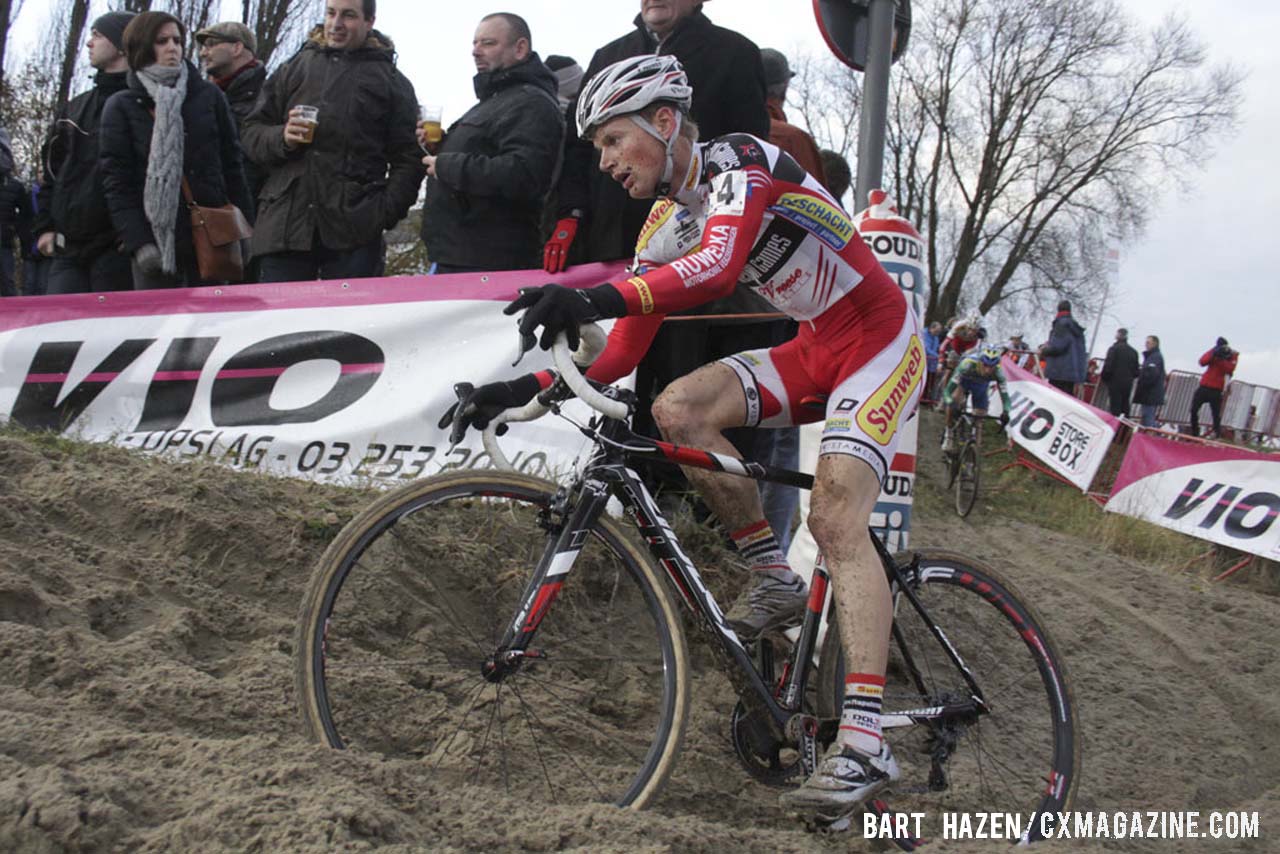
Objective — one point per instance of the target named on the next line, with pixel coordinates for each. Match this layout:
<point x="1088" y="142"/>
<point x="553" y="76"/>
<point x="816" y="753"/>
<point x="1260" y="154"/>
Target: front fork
<point x="567" y="534"/>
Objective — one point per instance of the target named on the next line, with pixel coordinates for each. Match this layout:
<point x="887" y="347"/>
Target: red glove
<point x="555" y="254"/>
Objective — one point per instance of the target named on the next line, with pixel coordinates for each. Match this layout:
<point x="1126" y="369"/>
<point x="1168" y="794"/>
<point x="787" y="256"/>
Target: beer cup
<point x="429" y="119"/>
<point x="310" y="116"/>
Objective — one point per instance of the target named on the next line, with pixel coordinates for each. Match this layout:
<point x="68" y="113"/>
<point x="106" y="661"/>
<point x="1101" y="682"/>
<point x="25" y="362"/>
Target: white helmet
<point x="627" y="87"/>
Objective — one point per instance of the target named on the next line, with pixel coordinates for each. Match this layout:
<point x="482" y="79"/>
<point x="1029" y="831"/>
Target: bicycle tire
<point x="388" y="657"/>
<point x="967" y="478"/>
<point x="1030" y="739"/>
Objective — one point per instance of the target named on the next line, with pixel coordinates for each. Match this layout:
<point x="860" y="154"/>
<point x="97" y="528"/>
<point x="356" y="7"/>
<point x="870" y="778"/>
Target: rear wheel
<point x="413" y="597"/>
<point x="1021" y="753"/>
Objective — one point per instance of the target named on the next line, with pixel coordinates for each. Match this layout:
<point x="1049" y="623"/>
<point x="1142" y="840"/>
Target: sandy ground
<point x="146" y="622"/>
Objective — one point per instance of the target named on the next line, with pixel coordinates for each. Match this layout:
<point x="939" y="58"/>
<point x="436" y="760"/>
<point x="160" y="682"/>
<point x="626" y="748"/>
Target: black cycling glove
<point x="559" y="309"/>
<point x="1004" y="419"/>
<point x="476" y="407"/>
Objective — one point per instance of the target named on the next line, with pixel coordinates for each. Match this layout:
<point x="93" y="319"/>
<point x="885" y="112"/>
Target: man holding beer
<point x="488" y="178"/>
<point x="334" y="132"/>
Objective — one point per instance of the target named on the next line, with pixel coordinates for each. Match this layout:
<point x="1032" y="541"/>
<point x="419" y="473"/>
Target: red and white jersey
<point x="747" y="213"/>
<point x="761" y="220"/>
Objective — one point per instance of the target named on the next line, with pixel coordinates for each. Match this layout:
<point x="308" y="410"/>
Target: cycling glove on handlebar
<point x="559" y="309"/>
<point x="476" y="407"/>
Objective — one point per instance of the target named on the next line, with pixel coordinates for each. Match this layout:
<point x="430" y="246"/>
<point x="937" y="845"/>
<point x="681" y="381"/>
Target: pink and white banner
<point x="333" y="380"/>
<point x="1229" y="496"/>
<point x="1065" y="433"/>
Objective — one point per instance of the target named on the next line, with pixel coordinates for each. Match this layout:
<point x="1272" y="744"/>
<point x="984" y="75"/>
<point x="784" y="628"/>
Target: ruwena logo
<point x="880" y="413"/>
<point x="240" y="394"/>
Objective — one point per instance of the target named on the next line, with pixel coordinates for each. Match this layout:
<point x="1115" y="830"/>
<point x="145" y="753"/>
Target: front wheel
<point x="1018" y="750"/>
<point x="966" y="478"/>
<point x="412" y="599"/>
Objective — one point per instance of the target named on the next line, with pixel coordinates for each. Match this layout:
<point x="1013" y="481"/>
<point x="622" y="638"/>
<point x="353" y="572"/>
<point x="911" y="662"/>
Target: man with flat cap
<point x="227" y="52"/>
<point x="73" y="225"/>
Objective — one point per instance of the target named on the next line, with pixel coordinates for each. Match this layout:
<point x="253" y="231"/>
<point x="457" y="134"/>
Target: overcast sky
<point x="1207" y="265"/>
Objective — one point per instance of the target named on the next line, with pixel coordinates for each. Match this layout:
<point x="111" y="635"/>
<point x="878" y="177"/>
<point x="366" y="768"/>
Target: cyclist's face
<point x="631" y="156"/>
<point x="985" y="369"/>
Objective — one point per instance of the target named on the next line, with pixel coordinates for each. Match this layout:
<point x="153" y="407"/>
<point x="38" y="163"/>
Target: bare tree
<point x="1023" y="134"/>
<point x="9" y="10"/>
<point x="75" y="14"/>
<point x="279" y="25"/>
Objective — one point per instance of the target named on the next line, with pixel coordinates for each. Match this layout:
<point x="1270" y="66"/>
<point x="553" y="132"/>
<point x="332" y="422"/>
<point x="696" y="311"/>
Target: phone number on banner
<point x="321" y="459"/>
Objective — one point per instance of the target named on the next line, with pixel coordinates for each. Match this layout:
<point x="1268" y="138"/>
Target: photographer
<point x="1219" y="364"/>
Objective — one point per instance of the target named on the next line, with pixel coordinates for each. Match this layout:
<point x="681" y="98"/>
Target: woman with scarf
<point x="168" y="124"/>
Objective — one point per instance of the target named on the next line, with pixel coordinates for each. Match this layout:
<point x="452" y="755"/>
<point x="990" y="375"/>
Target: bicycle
<point x="964" y="461"/>
<point x="563" y="672"/>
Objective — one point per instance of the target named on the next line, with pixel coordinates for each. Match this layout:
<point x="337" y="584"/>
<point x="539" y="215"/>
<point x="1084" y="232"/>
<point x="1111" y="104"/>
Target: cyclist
<point x="972" y="379"/>
<point x="737" y="209"/>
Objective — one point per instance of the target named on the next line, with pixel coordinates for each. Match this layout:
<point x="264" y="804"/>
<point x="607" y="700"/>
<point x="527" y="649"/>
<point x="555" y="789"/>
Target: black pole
<point x="875" y="100"/>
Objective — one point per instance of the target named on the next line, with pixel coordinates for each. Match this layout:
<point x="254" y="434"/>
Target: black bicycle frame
<point x="574" y="512"/>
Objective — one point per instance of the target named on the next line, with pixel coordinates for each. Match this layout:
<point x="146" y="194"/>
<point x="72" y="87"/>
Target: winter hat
<point x="568" y="76"/>
<point x="1222" y="342"/>
<point x="111" y="26"/>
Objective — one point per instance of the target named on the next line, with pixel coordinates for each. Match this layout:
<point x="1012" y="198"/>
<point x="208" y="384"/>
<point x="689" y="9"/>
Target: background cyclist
<point x="738" y="209"/>
<point x="971" y="379"/>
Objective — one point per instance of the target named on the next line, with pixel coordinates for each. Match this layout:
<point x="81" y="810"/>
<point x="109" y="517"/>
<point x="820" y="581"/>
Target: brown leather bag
<point x="216" y="233"/>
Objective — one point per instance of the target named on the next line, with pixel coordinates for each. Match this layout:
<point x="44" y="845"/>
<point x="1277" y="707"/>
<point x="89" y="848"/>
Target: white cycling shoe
<point x="843" y="781"/>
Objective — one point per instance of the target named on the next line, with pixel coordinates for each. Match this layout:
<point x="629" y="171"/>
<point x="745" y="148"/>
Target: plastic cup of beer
<point x="429" y="119"/>
<point x="309" y="116"/>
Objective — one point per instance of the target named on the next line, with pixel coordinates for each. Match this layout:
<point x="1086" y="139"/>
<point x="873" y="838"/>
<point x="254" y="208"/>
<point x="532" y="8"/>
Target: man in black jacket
<point x="15" y="223"/>
<point x="72" y="223"/>
<point x="487" y="182"/>
<point x="227" y="52"/>
<point x="727" y="76"/>
<point x="328" y="198"/>
<point x="1118" y="372"/>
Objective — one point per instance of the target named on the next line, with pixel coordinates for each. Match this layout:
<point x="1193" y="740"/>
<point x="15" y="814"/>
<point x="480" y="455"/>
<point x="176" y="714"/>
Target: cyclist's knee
<point x="699" y="401"/>
<point x="844" y="493"/>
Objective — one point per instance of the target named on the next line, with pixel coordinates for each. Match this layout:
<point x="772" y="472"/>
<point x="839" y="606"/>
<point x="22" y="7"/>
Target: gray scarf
<point x="167" y="86"/>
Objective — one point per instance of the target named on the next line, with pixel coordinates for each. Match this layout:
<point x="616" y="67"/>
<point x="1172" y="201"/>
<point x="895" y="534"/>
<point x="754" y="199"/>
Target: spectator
<point x="839" y="176"/>
<point x="725" y="71"/>
<point x="327" y="199"/>
<point x="72" y="224"/>
<point x="15" y="223"/>
<point x="1219" y="364"/>
<point x="35" y="267"/>
<point x="568" y="79"/>
<point x="1066" y="361"/>
<point x="791" y="139"/>
<point x="1119" y="370"/>
<point x="932" y="341"/>
<point x="1149" y="394"/>
<point x="167" y="128"/>
<point x="227" y="50"/>
<point x="487" y="185"/>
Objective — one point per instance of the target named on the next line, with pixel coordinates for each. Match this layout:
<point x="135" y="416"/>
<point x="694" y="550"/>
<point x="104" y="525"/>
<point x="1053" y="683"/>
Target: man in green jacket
<point x="332" y="189"/>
